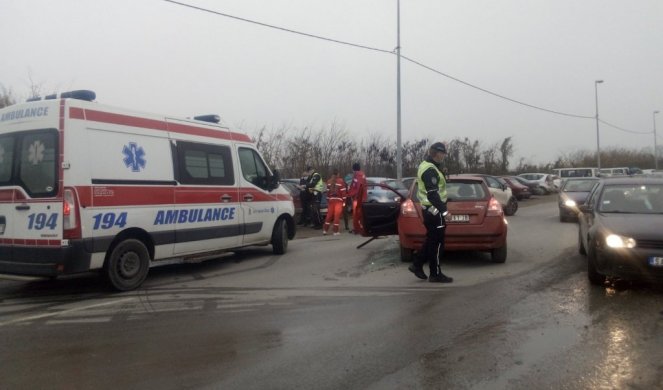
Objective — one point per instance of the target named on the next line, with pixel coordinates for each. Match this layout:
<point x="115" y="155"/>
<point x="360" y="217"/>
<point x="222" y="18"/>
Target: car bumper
<point x="630" y="263"/>
<point x="457" y="238"/>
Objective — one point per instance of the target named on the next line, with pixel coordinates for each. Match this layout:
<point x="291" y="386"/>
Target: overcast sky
<point x="155" y="56"/>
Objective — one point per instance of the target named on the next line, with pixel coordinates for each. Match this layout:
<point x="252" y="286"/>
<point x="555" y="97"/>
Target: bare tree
<point x="6" y="97"/>
<point x="506" y="152"/>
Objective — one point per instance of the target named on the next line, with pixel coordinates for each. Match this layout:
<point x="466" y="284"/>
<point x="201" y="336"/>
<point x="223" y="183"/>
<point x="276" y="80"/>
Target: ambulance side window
<point x="204" y="164"/>
<point x="6" y="159"/>
<point x="38" y="163"/>
<point x="254" y="169"/>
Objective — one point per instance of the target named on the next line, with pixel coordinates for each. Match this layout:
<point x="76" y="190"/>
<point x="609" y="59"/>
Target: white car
<point x="545" y="181"/>
<point x="500" y="191"/>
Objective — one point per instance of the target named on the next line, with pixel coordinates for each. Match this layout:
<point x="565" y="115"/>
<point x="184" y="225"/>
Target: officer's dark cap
<point x="308" y="167"/>
<point x="356" y="166"/>
<point x="438" y="147"/>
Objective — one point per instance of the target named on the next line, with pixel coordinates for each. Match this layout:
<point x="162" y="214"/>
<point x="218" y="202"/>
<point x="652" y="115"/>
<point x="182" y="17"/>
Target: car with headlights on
<point x="477" y="220"/>
<point x="620" y="229"/>
<point x="573" y="192"/>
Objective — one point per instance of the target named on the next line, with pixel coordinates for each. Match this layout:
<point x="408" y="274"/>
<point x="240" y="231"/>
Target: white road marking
<point x="54" y="314"/>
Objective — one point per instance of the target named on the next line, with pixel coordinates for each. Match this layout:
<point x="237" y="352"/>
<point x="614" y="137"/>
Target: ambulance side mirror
<point x="274" y="181"/>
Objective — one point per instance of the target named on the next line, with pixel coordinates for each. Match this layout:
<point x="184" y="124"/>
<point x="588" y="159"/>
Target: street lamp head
<point x="598" y="81"/>
<point x="656" y="111"/>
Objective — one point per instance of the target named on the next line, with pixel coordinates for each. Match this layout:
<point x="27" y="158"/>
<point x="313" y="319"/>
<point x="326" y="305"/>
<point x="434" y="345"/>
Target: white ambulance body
<point x="90" y="187"/>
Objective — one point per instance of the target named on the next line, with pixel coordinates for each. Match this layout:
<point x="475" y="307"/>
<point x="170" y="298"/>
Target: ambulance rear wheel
<point x="280" y="237"/>
<point x="127" y="265"/>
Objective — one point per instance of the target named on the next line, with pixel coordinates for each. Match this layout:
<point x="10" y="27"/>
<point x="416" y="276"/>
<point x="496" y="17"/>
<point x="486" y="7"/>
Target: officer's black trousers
<point x="433" y="247"/>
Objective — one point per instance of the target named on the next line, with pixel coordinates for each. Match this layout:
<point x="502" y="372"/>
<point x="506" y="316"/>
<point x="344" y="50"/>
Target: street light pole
<point x="598" y="144"/>
<point x="655" y="146"/>
<point x="399" y="153"/>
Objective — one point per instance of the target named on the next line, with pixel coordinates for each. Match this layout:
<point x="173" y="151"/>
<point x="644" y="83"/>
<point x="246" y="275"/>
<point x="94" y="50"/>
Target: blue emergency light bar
<point x="208" y="118"/>
<point x="81" y="94"/>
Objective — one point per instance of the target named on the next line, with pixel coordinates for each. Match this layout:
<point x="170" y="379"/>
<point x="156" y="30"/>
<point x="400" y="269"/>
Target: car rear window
<point x="458" y="191"/>
<point x="465" y="191"/>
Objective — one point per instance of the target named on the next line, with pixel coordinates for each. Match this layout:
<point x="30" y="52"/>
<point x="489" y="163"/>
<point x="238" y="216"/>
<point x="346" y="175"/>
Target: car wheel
<point x="498" y="255"/>
<point x="406" y="254"/>
<point x="127" y="265"/>
<point x="280" y="237"/>
<point x="593" y="275"/>
<point x="511" y="206"/>
<point x="581" y="246"/>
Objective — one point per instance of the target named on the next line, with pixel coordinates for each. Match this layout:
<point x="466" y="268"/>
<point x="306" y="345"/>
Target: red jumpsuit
<point x="336" y="193"/>
<point x="357" y="186"/>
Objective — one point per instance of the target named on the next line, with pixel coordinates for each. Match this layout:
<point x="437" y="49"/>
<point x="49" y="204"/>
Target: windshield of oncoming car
<point x="631" y="198"/>
<point x="579" y="185"/>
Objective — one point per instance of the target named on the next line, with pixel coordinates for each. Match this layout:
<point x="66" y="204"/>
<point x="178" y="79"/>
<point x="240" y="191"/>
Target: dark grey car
<point x="620" y="229"/>
<point x="573" y="193"/>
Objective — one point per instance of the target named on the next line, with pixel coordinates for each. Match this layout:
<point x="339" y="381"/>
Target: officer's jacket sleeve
<point x="431" y="181"/>
<point x="314" y="180"/>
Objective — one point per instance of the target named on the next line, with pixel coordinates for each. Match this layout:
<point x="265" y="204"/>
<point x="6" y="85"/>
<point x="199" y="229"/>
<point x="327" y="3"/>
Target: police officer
<point x="305" y="197"/>
<point x="315" y="186"/>
<point x="432" y="192"/>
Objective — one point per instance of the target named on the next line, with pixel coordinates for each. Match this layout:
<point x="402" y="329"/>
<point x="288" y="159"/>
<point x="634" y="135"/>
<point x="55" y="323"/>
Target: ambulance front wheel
<point x="280" y="237"/>
<point x="127" y="265"/>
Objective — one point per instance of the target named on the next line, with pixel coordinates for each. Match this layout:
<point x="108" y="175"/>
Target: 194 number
<point x="108" y="220"/>
<point x="39" y="221"/>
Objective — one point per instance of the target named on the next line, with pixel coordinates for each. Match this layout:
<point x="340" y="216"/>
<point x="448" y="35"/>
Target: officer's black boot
<point x="440" y="278"/>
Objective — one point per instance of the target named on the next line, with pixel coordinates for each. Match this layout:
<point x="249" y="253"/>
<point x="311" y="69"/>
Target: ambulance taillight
<point x="71" y="223"/>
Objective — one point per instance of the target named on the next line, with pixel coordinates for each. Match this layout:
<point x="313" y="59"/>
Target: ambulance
<point x="88" y="187"/>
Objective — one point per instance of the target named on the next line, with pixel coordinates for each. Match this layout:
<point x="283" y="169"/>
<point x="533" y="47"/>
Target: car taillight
<point x="70" y="215"/>
<point x="494" y="208"/>
<point x="408" y="209"/>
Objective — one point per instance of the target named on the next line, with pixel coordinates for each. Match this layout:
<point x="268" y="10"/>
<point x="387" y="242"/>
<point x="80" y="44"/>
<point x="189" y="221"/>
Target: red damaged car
<point x="477" y="223"/>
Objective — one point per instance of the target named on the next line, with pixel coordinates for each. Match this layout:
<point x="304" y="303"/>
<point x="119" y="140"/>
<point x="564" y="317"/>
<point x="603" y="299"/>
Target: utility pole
<point x="399" y="147"/>
<point x="598" y="145"/>
<point x="655" y="145"/>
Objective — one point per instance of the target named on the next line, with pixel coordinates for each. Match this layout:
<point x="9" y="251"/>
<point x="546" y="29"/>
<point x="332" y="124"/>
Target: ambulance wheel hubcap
<point x="129" y="265"/>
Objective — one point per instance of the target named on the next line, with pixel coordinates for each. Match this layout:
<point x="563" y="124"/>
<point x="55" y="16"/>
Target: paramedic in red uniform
<point x="336" y="193"/>
<point x="357" y="186"/>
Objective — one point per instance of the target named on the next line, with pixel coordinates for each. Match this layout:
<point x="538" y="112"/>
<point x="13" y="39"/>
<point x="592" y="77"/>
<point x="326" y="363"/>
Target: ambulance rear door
<point x="30" y="208"/>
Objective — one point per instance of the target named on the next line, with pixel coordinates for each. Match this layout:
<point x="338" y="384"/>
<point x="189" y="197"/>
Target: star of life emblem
<point x="134" y="157"/>
<point x="36" y="152"/>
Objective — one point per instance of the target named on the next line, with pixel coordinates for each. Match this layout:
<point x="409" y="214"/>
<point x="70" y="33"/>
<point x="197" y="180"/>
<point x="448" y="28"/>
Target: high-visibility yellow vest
<point x="421" y="188"/>
<point x="320" y="185"/>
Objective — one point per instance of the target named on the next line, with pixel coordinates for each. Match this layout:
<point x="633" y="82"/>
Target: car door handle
<point x="23" y="207"/>
<point x="225" y="198"/>
<point x="248" y="198"/>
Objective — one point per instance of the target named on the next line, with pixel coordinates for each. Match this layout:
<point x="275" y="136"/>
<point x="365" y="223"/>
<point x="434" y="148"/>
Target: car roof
<point x="632" y="180"/>
<point x="465" y="178"/>
<point x="573" y="178"/>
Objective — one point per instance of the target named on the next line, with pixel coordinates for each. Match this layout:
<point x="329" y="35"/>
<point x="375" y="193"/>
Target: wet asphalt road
<point x="329" y="316"/>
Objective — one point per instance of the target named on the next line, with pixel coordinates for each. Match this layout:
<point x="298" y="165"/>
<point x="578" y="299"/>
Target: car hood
<point x="638" y="226"/>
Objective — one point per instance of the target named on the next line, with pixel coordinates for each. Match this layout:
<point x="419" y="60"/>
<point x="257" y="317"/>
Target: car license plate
<point x="460" y="218"/>
<point x="655" y="261"/>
